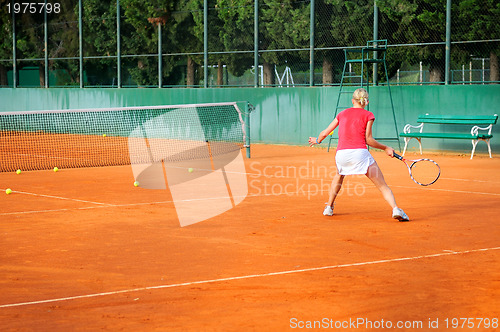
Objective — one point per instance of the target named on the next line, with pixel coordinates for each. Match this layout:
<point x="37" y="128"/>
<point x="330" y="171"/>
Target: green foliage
<point x="352" y="22"/>
<point x="420" y="21"/>
<point x="284" y="38"/>
<point x="477" y="20"/>
<point x="285" y="26"/>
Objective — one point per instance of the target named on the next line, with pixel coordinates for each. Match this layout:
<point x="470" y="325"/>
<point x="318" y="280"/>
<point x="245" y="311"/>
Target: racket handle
<point x="397" y="156"/>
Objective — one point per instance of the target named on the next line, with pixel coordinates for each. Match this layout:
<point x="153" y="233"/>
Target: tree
<point x="30" y="41"/>
<point x="324" y="37"/>
<point x="285" y="26"/>
<point x="420" y="21"/>
<point x="5" y="41"/>
<point x="236" y="33"/>
<point x="478" y="20"/>
<point x="215" y="29"/>
<point x="182" y="34"/>
<point x="99" y="39"/>
<point x="140" y="36"/>
<point x="63" y="43"/>
<point x="350" y="24"/>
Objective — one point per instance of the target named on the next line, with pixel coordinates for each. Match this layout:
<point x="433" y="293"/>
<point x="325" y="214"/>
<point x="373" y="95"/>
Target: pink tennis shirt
<point x="352" y="128"/>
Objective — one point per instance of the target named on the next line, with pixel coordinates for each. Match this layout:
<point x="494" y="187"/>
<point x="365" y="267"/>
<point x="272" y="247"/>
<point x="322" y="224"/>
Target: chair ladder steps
<point x="379" y="48"/>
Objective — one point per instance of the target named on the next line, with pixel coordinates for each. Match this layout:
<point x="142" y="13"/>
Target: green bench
<point x="478" y="122"/>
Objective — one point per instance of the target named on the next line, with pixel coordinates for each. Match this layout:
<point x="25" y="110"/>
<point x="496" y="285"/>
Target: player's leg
<point x="375" y="175"/>
<point x="334" y="190"/>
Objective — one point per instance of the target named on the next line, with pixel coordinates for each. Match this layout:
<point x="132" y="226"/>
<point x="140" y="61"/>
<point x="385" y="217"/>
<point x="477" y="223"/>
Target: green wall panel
<point x="287" y="115"/>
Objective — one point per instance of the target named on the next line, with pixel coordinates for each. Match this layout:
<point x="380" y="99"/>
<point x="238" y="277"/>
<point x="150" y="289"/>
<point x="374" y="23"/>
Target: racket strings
<point x="425" y="172"/>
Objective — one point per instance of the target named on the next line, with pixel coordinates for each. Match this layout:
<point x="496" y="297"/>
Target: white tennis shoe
<point x="399" y="214"/>
<point x="328" y="211"/>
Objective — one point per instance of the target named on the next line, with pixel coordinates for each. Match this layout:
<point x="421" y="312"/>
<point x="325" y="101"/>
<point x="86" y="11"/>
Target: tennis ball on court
<point x="56" y="169"/>
<point x="136" y="184"/>
<point x="8" y="191"/>
<point x="18" y="171"/>
<point x="103" y="135"/>
<point x="190" y="170"/>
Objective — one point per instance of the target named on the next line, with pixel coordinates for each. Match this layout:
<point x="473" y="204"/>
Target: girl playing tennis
<point x="355" y="133"/>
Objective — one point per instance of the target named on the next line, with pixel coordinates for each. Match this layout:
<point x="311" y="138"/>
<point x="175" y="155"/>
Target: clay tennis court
<point x="83" y="249"/>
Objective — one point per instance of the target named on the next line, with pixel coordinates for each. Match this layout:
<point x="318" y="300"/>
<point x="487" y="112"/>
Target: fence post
<point x="375" y="37"/>
<point x="448" y="42"/>
<point x="205" y="43"/>
<point x="14" y="55"/>
<point x="46" y="50"/>
<point x="256" y="43"/>
<point x="118" y="46"/>
<point x="160" y="66"/>
<point x="80" y="40"/>
<point x="311" y="45"/>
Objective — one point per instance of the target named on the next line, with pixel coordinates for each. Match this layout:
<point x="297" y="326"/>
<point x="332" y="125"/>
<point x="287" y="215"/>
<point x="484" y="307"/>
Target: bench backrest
<point x="458" y="119"/>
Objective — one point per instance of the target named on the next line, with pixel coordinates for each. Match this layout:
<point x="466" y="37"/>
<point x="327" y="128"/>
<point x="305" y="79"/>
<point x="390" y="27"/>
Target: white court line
<point x="251" y="276"/>
<point x="471" y="180"/>
<point x="451" y="191"/>
<point x="149" y="203"/>
<point x="294" y="193"/>
<point x="284" y="169"/>
<point x="58" y="197"/>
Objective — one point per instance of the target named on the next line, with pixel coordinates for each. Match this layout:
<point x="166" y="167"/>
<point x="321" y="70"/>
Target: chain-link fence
<point x="229" y="43"/>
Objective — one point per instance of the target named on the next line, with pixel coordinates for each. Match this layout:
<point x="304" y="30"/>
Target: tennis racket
<point x="422" y="171"/>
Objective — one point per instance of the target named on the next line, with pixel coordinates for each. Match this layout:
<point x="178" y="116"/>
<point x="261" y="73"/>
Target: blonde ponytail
<point x="361" y="95"/>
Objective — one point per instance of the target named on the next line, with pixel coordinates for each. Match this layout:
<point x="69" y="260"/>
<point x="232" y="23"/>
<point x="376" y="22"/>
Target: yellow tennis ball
<point x="190" y="170"/>
<point x="136" y="184"/>
<point x="103" y="135"/>
<point x="56" y="169"/>
<point x="8" y="191"/>
<point x="18" y="171"/>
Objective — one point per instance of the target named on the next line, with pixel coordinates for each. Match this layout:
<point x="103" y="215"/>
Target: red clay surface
<point x="83" y="249"/>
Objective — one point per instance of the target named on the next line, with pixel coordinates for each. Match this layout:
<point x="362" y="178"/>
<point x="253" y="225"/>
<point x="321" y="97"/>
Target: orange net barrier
<point x="38" y="140"/>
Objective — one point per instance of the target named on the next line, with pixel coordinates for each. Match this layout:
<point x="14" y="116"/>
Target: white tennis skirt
<point x="353" y="161"/>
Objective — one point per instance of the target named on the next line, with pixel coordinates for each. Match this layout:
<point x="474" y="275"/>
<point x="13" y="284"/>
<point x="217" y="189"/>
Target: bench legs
<point x="474" y="143"/>
<point x="407" y="139"/>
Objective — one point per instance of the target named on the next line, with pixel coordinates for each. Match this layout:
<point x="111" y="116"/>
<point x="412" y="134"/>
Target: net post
<point x="248" y="109"/>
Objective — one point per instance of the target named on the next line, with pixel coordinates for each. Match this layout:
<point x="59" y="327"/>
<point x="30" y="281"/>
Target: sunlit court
<point x="262" y="165"/>
<point x="85" y="249"/>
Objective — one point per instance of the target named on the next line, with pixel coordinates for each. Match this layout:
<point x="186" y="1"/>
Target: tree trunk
<point x="220" y="73"/>
<point x="436" y="73"/>
<point x="191" y="73"/>
<point x="268" y="74"/>
<point x="3" y="76"/>
<point x="41" y="75"/>
<point x="494" y="70"/>
<point x="327" y="71"/>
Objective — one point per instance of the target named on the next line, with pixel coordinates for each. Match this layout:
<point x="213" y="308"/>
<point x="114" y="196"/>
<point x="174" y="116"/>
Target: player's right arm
<point x="331" y="127"/>
<point x="370" y="141"/>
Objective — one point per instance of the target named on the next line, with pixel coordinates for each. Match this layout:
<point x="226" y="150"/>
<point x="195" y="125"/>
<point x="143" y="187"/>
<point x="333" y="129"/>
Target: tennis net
<point x="37" y="140"/>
